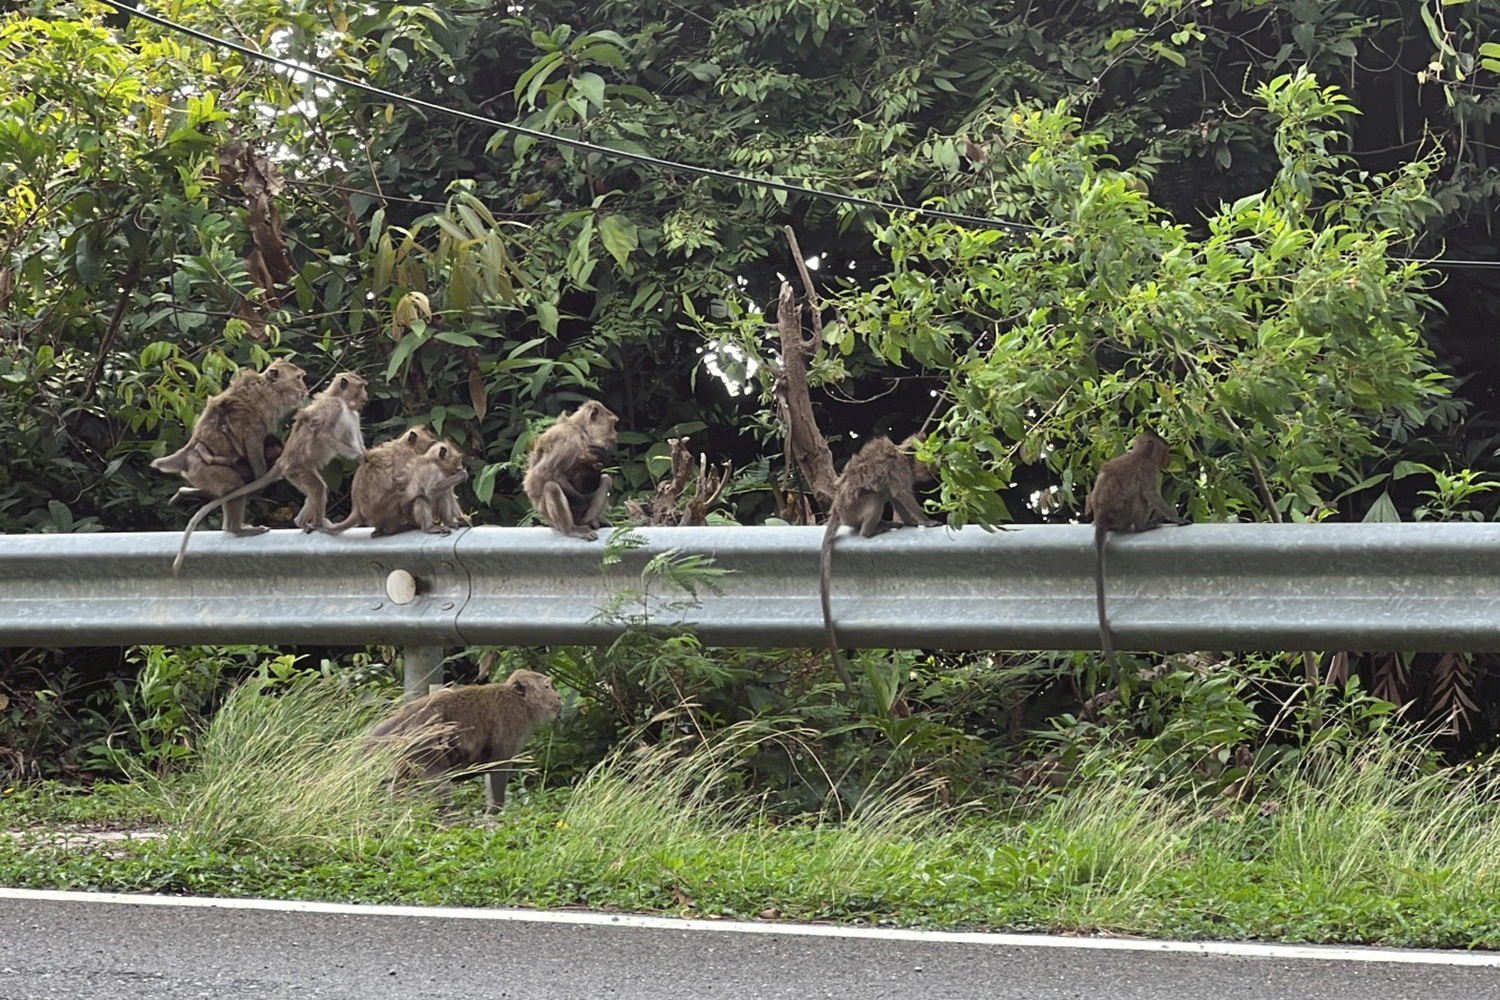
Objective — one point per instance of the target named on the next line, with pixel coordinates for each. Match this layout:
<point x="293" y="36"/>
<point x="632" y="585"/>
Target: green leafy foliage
<point x="1277" y="352"/>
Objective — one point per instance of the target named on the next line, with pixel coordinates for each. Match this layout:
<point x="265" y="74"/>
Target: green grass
<point x="1362" y="846"/>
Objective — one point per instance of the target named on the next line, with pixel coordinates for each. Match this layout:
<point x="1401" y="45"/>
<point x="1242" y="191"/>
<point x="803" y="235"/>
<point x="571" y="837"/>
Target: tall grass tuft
<point x="676" y="819"/>
<point x="1381" y="816"/>
<point x="286" y="769"/>
<point x="1107" y="847"/>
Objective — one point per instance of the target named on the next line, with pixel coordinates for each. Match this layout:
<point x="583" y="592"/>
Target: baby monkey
<point x="1127" y="497"/>
<point x="880" y="474"/>
<point x="326" y="427"/>
<point x="243" y="472"/>
<point x="417" y="499"/>
<point x="563" y="477"/>
<point x="479" y="724"/>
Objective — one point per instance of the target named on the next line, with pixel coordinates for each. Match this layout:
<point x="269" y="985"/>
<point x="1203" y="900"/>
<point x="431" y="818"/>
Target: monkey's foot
<point x="584" y="533"/>
<point x="246" y="530"/>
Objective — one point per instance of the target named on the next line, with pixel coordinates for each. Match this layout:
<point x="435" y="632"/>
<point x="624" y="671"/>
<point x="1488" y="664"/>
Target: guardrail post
<point x="423" y="670"/>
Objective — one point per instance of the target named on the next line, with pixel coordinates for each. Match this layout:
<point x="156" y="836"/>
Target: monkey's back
<point x="383" y="464"/>
<point x="1121" y="497"/>
<point x="477" y="723"/>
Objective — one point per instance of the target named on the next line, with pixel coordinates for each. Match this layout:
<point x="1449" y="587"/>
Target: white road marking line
<point x="1238" y="949"/>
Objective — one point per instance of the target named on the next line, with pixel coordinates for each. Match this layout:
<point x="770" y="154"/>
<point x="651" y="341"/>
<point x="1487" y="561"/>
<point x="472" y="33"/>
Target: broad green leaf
<point x="546" y="317"/>
<point x="619" y="237"/>
<point x="1383" y="510"/>
<point x="484" y="483"/>
<point x="591" y="85"/>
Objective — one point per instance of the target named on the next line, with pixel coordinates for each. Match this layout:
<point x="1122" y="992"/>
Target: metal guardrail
<point x="1207" y="586"/>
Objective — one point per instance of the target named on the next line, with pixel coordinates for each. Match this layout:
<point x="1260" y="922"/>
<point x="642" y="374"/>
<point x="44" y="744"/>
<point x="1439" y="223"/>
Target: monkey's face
<point x="351" y="389"/>
<point x="538" y="690"/>
<point x="600" y="421"/>
<point x="448" y="458"/>
<point x="419" y="439"/>
<point x="287" y="379"/>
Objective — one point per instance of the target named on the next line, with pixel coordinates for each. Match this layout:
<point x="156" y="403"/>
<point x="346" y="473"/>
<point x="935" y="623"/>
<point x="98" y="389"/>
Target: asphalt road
<point x="60" y="945"/>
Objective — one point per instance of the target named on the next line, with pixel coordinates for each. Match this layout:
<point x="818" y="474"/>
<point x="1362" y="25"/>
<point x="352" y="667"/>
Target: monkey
<point x="879" y="474"/>
<point x="241" y="467"/>
<point x="380" y="471"/>
<point x="563" y="477"/>
<point x="326" y="427"/>
<point x="416" y="498"/>
<point x="1127" y="497"/>
<point x="475" y="724"/>
<point x="231" y="443"/>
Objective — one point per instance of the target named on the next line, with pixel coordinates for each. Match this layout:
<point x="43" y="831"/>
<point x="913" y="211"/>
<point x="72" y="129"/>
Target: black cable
<point x="722" y="175"/>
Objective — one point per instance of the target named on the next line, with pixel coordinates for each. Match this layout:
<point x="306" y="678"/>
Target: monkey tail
<point x="1101" y="533"/>
<point x="825" y="571"/>
<point x="272" y="474"/>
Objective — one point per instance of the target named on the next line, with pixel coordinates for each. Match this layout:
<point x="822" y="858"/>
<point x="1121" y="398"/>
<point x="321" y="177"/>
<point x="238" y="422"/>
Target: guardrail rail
<point x="1205" y="586"/>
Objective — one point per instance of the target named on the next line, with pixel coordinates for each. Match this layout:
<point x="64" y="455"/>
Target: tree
<point x="1279" y="353"/>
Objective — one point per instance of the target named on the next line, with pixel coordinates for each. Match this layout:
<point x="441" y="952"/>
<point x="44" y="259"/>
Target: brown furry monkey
<point x="880" y="474"/>
<point x="232" y="443"/>
<point x="381" y="471"/>
<point x="416" y="499"/>
<point x="241" y="467"/>
<point x="326" y="427"/>
<point x="563" y="479"/>
<point x="1127" y="497"/>
<point x="477" y="724"/>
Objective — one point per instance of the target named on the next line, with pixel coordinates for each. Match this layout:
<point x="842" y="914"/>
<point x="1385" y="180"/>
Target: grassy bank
<point x="1363" y="847"/>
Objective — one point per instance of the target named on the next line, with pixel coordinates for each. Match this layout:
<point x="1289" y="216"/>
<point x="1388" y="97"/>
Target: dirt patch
<point x="110" y="841"/>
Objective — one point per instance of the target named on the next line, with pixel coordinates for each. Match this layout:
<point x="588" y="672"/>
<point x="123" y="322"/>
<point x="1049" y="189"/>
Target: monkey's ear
<point x="443" y="451"/>
<point x="273" y="374"/>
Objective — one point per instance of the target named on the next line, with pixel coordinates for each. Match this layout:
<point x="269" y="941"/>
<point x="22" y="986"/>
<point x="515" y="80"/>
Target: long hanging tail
<point x="187" y="533"/>
<point x="825" y="571"/>
<point x="272" y="474"/>
<point x="1105" y="641"/>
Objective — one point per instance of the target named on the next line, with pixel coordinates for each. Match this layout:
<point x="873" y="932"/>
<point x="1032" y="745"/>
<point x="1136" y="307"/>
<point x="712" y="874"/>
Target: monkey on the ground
<point x="563" y="477"/>
<point x="1127" y="497"/>
<point x="232" y="443"/>
<point x="381" y="474"/>
<point x="480" y="724"/>
<point x="326" y="427"/>
<point x="880" y="474"/>
<point x="416" y="498"/>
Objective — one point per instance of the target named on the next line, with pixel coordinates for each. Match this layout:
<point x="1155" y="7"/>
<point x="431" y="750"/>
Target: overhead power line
<point x="561" y="140"/>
